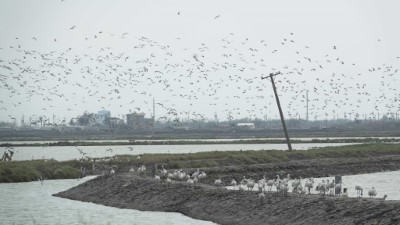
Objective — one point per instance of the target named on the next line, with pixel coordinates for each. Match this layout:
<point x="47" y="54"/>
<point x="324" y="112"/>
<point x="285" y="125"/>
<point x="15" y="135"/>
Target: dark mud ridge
<point x="223" y="206"/>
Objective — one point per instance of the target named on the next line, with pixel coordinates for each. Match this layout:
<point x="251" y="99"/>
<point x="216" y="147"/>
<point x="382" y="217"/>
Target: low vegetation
<point x="232" y="158"/>
<point x="21" y="171"/>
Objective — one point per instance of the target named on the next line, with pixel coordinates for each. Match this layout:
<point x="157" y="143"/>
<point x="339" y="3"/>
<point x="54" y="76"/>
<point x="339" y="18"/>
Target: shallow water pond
<point x="33" y="203"/>
<point x="62" y="153"/>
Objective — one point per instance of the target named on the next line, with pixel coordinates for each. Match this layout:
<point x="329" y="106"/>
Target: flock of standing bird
<point x="281" y="186"/>
<point x="186" y="81"/>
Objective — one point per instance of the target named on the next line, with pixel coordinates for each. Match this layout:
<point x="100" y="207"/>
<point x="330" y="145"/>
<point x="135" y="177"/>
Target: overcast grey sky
<point x="198" y="57"/>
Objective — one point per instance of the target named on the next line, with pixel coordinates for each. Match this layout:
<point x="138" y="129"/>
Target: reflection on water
<point x="62" y="153"/>
<point x="32" y="203"/>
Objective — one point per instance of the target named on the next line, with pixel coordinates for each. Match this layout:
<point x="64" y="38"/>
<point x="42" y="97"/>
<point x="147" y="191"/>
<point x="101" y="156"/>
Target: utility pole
<point x="307" y="105"/>
<point x="265" y="122"/>
<point x="271" y="76"/>
<point x="154" y="114"/>
<point x="230" y="118"/>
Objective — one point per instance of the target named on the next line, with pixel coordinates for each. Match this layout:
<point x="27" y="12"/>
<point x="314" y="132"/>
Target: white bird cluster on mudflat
<point x="180" y="175"/>
<point x="281" y="185"/>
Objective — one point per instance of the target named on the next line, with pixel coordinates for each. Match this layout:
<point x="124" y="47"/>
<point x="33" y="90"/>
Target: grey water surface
<point x="33" y="203"/>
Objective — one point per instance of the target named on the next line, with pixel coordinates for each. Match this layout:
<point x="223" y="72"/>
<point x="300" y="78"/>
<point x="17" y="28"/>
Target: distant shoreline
<point x="200" y="142"/>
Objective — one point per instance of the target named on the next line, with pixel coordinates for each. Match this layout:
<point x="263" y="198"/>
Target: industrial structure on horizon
<point x="137" y="121"/>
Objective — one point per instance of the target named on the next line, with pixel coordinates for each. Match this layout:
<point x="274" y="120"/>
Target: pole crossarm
<point x="271" y="78"/>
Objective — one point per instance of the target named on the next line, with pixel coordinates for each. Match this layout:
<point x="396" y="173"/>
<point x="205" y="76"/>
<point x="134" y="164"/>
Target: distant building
<point x="138" y="122"/>
<point x="246" y="126"/>
<point x="102" y="116"/>
<point x="116" y="122"/>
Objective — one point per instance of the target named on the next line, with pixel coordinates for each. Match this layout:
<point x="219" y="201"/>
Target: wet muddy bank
<point x="232" y="207"/>
<point x="205" y="202"/>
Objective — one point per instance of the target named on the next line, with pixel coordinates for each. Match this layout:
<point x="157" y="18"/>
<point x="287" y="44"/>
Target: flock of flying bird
<point x="187" y="82"/>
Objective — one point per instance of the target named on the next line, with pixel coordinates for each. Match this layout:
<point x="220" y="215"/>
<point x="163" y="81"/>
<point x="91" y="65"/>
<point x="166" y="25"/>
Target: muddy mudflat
<point x="222" y="206"/>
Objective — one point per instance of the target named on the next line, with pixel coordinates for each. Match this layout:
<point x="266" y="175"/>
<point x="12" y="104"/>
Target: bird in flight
<point x="40" y="179"/>
<point x="73" y="27"/>
<point x="218" y="16"/>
